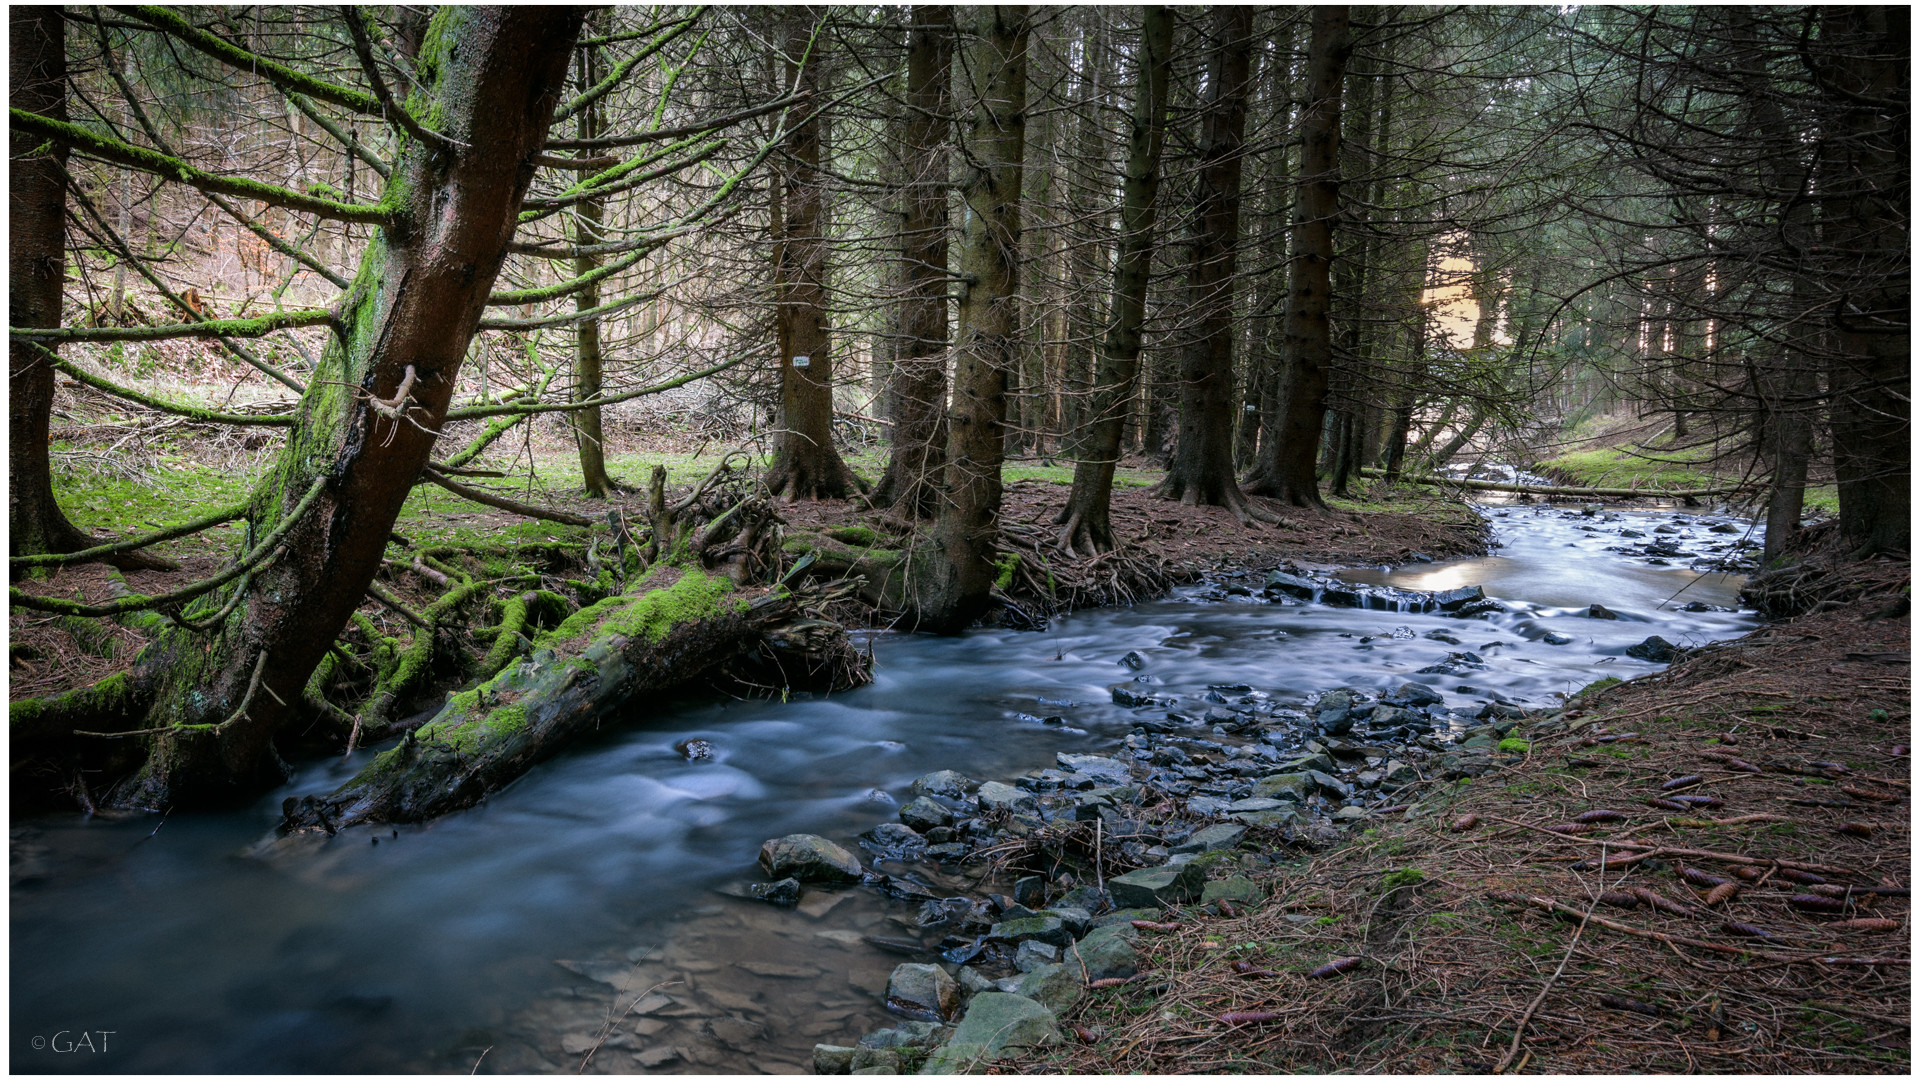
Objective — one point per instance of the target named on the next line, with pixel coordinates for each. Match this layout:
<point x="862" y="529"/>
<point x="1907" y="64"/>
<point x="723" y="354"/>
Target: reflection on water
<point x="423" y="950"/>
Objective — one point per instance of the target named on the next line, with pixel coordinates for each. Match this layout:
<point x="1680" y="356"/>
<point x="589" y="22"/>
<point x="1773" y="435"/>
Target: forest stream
<point x="502" y="934"/>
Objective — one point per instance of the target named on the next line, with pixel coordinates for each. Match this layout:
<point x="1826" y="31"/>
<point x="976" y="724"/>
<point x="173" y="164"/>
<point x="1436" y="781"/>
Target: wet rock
<point x="1553" y="638"/>
<point x="1441" y="636"/>
<point x="1107" y="952"/>
<point x="1476" y="609"/>
<point x="946" y="783"/>
<point x="923" y="815"/>
<point x="1105" y="770"/>
<point x="894" y="841"/>
<point x="1656" y="649"/>
<point x="1133" y="661"/>
<point x="1212" y="838"/>
<point x="1075" y="919"/>
<point x="1033" y="954"/>
<point x="1599" y="611"/>
<point x="734" y="1032"/>
<point x="1270" y="819"/>
<point x="1475" y="742"/>
<point x="1002" y="1024"/>
<point x="1726" y="527"/>
<point x="1386" y="717"/>
<point x="1290" y="585"/>
<point x="1293" y="786"/>
<point x="1331" y="784"/>
<point x="808" y="858"/>
<point x="831" y="1060"/>
<point x="912" y="1035"/>
<point x="996" y="796"/>
<point x="1030" y="891"/>
<point x="923" y="992"/>
<point x="949" y="852"/>
<point x="694" y="749"/>
<point x="1156" y="886"/>
<point x="1048" y="929"/>
<point x="1455" y="599"/>
<point x="1239" y="889"/>
<point x="1132" y="695"/>
<point x="786" y="891"/>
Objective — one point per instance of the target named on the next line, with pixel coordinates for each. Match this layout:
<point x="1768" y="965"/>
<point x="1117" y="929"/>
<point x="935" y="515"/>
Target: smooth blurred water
<point x="419" y="951"/>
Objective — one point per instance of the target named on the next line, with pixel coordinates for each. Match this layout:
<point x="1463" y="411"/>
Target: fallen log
<point x="675" y="626"/>
<point x="1563" y="492"/>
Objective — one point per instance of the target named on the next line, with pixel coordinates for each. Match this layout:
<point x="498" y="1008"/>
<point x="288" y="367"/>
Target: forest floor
<point x="1624" y="450"/>
<point x="1489" y="941"/>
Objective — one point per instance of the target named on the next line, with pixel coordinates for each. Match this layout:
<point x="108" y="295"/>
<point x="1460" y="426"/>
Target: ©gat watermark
<point x="73" y="1042"/>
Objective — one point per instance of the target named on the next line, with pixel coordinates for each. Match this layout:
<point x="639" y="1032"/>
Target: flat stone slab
<point x="1212" y="838"/>
<point x="1156" y="886"/>
<point x="994" y="795"/>
<point x="1105" y="769"/>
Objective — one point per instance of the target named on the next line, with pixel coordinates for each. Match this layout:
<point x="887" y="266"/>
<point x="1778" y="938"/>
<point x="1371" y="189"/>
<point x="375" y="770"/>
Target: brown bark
<point x="1201" y="471"/>
<point x="955" y="574"/>
<point x="1864" y="70"/>
<point x="419" y="295"/>
<point x="918" y="389"/>
<point x="1087" y="520"/>
<point x="36" y="280"/>
<point x="806" y="464"/>
<point x="588" y="434"/>
<point x="1286" y="467"/>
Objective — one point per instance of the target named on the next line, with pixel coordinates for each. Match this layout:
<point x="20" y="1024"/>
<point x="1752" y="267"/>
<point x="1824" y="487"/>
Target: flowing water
<point x="201" y="948"/>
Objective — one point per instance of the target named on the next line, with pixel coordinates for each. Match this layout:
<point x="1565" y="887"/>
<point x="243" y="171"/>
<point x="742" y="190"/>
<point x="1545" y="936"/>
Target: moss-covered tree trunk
<point x="1286" y="466"/>
<point x="487" y="79"/>
<point x="917" y="391"/>
<point x="675" y="626"/>
<point x="1087" y="519"/>
<point x="955" y="574"/>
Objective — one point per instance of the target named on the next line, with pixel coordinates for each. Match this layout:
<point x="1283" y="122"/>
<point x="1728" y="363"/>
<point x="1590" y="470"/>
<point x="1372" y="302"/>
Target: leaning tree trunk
<point x="955" y="573"/>
<point x="36" y="281"/>
<point x="1286" y="467"/>
<point x="1087" y="520"/>
<point x="488" y="79"/>
<point x="805" y="465"/>
<point x="917" y="392"/>
<point x="1201" y="471"/>
<point x="675" y="626"/>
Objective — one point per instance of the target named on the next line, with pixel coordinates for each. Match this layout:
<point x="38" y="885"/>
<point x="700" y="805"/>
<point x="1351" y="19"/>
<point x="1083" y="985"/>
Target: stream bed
<point x="504" y="935"/>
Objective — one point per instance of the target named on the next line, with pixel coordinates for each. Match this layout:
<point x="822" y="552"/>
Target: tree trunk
<point x="1201" y="472"/>
<point x="806" y="464"/>
<point x="1866" y="185"/>
<point x="587" y="380"/>
<point x="489" y="78"/>
<point x="676" y="626"/>
<point x="36" y="285"/>
<point x="1286" y="468"/>
<point x="1086" y="517"/>
<point x="918" y="394"/>
<point x="956" y="577"/>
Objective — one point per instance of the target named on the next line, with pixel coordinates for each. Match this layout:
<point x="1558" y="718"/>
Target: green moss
<point x="856" y="534"/>
<point x="1007" y="563"/>
<point x="648" y="616"/>
<point x="1597" y="685"/>
<point x="1514" y="746"/>
<point x="1400" y="879"/>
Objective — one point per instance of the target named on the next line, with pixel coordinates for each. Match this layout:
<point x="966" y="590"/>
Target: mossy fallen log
<point x="673" y="627"/>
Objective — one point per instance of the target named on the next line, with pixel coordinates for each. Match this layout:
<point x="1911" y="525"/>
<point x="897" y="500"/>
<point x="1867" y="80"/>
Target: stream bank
<point x="436" y="943"/>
